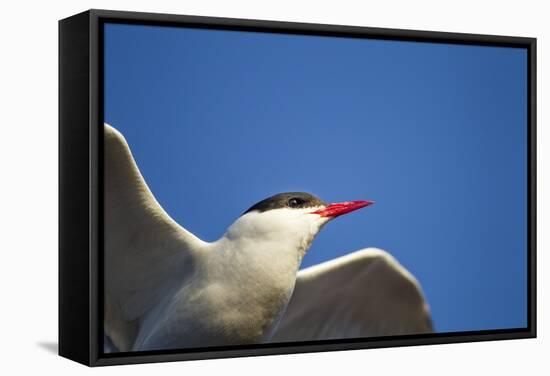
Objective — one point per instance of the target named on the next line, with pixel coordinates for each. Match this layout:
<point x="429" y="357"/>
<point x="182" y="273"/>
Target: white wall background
<point x="28" y="189"/>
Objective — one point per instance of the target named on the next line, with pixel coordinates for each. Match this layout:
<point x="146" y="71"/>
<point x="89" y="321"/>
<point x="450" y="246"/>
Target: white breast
<point x="241" y="285"/>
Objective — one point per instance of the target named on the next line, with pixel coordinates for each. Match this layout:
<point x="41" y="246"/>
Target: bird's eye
<point x="295" y="202"/>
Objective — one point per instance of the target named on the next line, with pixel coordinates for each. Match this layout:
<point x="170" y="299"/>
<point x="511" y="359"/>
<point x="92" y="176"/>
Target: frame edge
<point x="74" y="188"/>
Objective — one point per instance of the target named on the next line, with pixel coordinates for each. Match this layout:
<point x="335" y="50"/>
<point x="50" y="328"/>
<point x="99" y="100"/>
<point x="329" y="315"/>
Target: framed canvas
<point x="236" y="187"/>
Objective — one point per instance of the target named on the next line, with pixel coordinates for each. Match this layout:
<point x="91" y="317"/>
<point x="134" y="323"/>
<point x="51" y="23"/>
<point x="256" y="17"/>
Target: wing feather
<point x="145" y="251"/>
<point x="364" y="294"/>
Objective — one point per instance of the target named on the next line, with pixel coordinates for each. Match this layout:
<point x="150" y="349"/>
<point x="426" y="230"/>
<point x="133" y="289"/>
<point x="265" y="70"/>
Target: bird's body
<point x="166" y="289"/>
<point x="205" y="310"/>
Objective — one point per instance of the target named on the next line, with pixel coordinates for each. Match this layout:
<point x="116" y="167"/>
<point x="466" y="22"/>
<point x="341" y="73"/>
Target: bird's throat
<point x="257" y="282"/>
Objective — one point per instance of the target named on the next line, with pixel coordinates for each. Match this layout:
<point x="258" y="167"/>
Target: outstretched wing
<point x="145" y="251"/>
<point x="364" y="294"/>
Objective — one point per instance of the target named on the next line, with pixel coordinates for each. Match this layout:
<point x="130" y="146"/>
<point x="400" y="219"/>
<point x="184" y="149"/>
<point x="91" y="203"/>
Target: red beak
<point x="339" y="208"/>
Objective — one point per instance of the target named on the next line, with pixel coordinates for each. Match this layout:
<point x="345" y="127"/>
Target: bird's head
<point x="292" y="219"/>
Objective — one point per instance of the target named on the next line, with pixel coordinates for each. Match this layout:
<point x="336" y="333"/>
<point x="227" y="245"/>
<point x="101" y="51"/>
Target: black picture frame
<point x="80" y="182"/>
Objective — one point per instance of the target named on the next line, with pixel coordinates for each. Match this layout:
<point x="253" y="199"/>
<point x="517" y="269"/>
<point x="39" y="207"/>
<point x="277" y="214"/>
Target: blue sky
<point x="434" y="133"/>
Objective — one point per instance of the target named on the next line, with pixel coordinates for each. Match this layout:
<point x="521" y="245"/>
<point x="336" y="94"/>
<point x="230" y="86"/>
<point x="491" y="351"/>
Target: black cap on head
<point x="293" y="200"/>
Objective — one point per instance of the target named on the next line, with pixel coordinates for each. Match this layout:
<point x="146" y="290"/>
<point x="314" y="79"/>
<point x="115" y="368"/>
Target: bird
<point x="164" y="288"/>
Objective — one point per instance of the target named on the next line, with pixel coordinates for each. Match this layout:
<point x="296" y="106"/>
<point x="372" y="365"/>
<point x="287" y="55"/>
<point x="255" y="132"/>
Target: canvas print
<point x="267" y="188"/>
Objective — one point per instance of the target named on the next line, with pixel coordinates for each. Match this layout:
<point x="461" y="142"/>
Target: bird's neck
<point x="268" y="262"/>
<point x="258" y="279"/>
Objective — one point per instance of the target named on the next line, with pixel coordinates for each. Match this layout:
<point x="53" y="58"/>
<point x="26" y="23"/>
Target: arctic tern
<point x="167" y="289"/>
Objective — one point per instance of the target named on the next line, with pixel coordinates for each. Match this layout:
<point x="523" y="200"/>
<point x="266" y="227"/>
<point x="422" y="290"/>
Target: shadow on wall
<point x="51" y="347"/>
